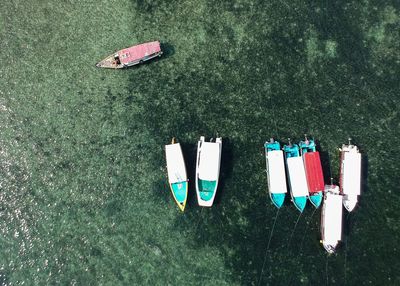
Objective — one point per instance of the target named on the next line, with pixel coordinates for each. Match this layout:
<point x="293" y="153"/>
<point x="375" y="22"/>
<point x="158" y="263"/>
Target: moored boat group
<point x="300" y="166"/>
<point x="293" y="167"/>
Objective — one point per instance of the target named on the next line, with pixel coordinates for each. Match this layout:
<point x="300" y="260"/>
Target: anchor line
<point x="326" y="269"/>
<point x="305" y="231"/>
<point x="291" y="236"/>
<point x="266" y="251"/>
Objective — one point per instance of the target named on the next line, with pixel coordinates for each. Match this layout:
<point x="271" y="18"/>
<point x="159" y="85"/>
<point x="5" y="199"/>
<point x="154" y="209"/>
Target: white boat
<point x="350" y="175"/>
<point x="207" y="170"/>
<point x="331" y="218"/>
<point x="177" y="176"/>
<point x="275" y="172"/>
<point x="297" y="176"/>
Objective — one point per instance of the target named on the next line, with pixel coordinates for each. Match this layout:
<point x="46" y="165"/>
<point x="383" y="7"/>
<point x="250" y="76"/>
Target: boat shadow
<point x="325" y="162"/>
<point x="225" y="169"/>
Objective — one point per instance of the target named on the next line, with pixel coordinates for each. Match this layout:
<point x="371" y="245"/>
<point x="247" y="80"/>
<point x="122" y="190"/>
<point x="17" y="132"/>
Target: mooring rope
<point x="326" y="269"/>
<point x="266" y="251"/>
<point x="291" y="236"/>
<point x="305" y="231"/>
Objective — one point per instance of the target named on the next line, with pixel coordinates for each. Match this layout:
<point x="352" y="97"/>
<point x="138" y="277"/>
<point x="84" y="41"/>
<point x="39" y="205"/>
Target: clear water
<point x="84" y="198"/>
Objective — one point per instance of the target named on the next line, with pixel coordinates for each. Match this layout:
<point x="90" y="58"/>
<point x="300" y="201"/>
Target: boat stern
<point x="300" y="202"/>
<point x="349" y="202"/>
<point x="316" y="199"/>
<point x="278" y="199"/>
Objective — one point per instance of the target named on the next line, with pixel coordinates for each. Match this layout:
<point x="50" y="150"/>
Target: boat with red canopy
<point x="132" y="56"/>
<point x="313" y="168"/>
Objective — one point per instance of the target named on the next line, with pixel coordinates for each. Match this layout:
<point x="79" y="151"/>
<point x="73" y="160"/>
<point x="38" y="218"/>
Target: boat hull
<point x="331" y="218"/>
<point x="207" y="170"/>
<point x="132" y="56"/>
<point x="275" y="168"/>
<point x="177" y="176"/>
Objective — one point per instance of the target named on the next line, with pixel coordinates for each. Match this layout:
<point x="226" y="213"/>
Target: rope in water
<point x="291" y="236"/>
<point x="266" y="252"/>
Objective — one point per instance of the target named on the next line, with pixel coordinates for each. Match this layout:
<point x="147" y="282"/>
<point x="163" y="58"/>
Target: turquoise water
<point x="84" y="198"/>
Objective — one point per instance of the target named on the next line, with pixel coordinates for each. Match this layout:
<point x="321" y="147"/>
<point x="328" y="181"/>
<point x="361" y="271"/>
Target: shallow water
<point x="84" y="198"/>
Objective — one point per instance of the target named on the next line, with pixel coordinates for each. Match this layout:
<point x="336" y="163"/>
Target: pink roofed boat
<point x="132" y="56"/>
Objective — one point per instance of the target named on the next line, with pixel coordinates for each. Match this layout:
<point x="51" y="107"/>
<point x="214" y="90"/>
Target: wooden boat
<point x="275" y="172"/>
<point x="296" y="175"/>
<point x="313" y="168"/>
<point x="350" y="175"/>
<point x="207" y="170"/>
<point x="177" y="177"/>
<point x="131" y="56"/>
<point x="331" y="218"/>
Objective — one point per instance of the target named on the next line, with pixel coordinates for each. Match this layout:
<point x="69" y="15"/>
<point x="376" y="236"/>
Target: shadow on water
<point x="168" y="50"/>
<point x="226" y="169"/>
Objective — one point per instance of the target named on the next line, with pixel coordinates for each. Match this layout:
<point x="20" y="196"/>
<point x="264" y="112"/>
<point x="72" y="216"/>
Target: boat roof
<point x="175" y="163"/>
<point x="332" y="218"/>
<point x="314" y="174"/>
<point x="276" y="172"/>
<point x="352" y="173"/>
<point x="297" y="176"/>
<point x="209" y="161"/>
<point x="138" y="52"/>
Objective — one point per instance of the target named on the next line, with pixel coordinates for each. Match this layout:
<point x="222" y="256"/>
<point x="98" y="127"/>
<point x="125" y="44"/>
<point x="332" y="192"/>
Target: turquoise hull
<point x="300" y="203"/>
<point x="278" y="199"/>
<point x="272" y="146"/>
<point x="180" y="191"/>
<point x="307" y="146"/>
<point x="291" y="151"/>
<point x="316" y="199"/>
<point x="207" y="189"/>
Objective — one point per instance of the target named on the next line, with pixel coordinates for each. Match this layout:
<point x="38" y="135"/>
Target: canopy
<point x="352" y="173"/>
<point x="297" y="177"/>
<point x="209" y="161"/>
<point x="138" y="52"/>
<point x="315" y="177"/>
<point x="175" y="163"/>
<point x="332" y="218"/>
<point x="276" y="172"/>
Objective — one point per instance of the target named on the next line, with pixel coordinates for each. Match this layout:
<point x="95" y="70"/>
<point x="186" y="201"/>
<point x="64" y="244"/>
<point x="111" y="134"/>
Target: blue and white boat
<point x="275" y="172"/>
<point x="177" y="177"/>
<point x="207" y="170"/>
<point x="296" y="175"/>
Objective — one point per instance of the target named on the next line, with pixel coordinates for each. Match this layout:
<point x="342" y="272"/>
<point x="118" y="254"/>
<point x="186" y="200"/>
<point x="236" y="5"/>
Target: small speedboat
<point x="132" y="56"/>
<point x="331" y="218"/>
<point x="275" y="172"/>
<point x="207" y="170"/>
<point x="177" y="177"/>
<point x="297" y="175"/>
<point x="313" y="168"/>
<point x="350" y="175"/>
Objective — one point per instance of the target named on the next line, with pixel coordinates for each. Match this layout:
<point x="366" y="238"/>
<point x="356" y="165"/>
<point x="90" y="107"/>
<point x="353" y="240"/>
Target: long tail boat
<point x="313" y="168"/>
<point x="297" y="175"/>
<point x="131" y="56"/>
<point x="275" y="172"/>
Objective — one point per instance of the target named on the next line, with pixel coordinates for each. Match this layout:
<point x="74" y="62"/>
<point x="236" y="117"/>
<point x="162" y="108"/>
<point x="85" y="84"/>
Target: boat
<point x="207" y="170"/>
<point x="313" y="168"/>
<point x="297" y="175"/>
<point x="177" y="177"/>
<point x="331" y="218"/>
<point x="350" y="175"/>
<point x="131" y="56"/>
<point x="275" y="172"/>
